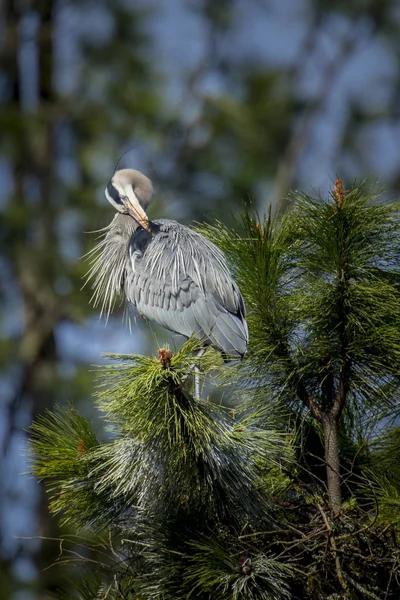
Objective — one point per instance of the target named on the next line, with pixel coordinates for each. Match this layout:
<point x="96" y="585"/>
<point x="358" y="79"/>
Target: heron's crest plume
<point x="128" y="151"/>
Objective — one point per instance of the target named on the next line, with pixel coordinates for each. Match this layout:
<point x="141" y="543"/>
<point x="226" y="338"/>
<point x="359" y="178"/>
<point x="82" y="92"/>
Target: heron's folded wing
<point x="182" y="282"/>
<point x="189" y="312"/>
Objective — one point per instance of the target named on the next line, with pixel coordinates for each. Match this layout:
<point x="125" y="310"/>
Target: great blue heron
<point x="170" y="273"/>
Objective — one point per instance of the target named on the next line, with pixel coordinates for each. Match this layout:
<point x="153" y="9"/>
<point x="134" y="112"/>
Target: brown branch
<point x="181" y="395"/>
<point x="267" y="533"/>
<point x="340" y="397"/>
<point x="311" y="405"/>
<point x="305" y="397"/>
<point x="332" y="542"/>
<point x="361" y="588"/>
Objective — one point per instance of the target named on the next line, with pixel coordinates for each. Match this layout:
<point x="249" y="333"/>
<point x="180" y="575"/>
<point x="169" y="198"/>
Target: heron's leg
<point x="196" y="373"/>
<point x="196" y="381"/>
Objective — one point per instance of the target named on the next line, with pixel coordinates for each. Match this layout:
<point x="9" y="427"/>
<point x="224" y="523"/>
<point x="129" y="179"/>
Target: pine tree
<point x="277" y="491"/>
<point x="177" y="486"/>
<point x="322" y="287"/>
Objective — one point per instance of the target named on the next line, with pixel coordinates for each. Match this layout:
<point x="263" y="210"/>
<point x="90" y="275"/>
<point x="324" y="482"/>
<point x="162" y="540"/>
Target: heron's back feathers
<point x="181" y="280"/>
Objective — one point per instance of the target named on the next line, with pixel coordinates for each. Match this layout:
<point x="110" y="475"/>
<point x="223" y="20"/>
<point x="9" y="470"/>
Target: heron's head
<point x="130" y="192"/>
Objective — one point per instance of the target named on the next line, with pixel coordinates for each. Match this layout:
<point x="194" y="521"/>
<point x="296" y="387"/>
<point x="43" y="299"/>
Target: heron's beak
<point x="136" y="211"/>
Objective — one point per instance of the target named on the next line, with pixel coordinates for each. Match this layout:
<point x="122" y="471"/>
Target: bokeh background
<point x="222" y="101"/>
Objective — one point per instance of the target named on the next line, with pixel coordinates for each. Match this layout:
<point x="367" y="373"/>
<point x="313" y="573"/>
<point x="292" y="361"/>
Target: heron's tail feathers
<point x="225" y="330"/>
<point x="230" y="335"/>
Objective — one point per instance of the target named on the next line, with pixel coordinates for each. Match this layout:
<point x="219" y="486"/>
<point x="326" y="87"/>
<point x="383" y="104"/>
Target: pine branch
<point x="235" y="572"/>
<point x="62" y="450"/>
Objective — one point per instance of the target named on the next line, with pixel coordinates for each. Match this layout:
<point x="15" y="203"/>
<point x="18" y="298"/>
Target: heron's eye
<point x="114" y="194"/>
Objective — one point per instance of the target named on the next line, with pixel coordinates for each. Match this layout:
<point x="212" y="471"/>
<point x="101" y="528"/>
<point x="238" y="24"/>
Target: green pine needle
<point x="62" y="444"/>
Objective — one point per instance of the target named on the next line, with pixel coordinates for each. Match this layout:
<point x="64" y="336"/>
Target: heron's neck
<point x="123" y="225"/>
<point x="110" y="261"/>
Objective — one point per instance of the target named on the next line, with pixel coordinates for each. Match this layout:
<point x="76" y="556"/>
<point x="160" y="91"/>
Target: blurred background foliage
<point x="222" y="102"/>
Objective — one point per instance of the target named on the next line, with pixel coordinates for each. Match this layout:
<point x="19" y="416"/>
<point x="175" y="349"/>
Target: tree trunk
<point x="329" y="424"/>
